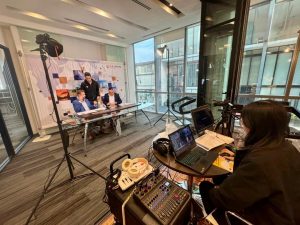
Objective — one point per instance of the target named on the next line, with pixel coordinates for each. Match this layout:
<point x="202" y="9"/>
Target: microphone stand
<point x="67" y="155"/>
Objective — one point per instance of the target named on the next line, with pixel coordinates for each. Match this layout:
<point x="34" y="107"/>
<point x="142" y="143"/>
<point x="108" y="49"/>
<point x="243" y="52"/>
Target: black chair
<point x="180" y="105"/>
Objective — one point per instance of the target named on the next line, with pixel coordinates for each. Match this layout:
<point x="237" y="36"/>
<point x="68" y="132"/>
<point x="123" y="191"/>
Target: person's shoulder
<point x="75" y="101"/>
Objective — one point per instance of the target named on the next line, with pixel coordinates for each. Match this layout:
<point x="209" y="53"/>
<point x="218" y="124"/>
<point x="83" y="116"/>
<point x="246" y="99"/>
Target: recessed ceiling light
<point x="171" y="5"/>
<point x="287" y="50"/>
<point x="112" y="35"/>
<point x="78" y="26"/>
<point x="99" y="12"/>
<point x="103" y="13"/>
<point x="35" y="15"/>
<point x="25" y="41"/>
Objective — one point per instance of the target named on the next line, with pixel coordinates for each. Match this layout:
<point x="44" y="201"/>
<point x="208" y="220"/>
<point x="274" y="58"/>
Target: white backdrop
<point x="66" y="75"/>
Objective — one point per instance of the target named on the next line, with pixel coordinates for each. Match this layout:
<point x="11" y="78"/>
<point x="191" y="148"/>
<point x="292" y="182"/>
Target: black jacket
<point x="265" y="186"/>
<point x="91" y="90"/>
<point x="118" y="100"/>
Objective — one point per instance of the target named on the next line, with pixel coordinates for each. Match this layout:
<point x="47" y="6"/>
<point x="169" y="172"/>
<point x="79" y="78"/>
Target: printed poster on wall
<point x="66" y="76"/>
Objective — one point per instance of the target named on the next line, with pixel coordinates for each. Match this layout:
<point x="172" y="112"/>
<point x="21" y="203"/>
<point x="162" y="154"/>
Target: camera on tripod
<point x="228" y="111"/>
<point x="51" y="46"/>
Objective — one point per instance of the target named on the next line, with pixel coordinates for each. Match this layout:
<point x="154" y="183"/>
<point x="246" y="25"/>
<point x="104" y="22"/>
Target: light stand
<point x="161" y="52"/>
<point x="45" y="43"/>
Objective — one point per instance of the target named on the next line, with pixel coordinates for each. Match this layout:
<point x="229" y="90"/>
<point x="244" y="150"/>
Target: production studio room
<point x="154" y="112"/>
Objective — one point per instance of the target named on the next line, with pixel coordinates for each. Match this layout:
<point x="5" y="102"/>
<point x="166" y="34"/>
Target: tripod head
<point x="49" y="45"/>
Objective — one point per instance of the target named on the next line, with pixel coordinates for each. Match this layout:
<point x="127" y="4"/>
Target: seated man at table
<point x="111" y="98"/>
<point x="81" y="104"/>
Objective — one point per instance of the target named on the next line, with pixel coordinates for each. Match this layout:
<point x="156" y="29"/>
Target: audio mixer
<point x="162" y="198"/>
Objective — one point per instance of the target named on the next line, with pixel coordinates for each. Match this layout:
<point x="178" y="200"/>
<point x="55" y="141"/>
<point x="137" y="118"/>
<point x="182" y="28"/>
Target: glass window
<point x="257" y="27"/>
<point x="245" y="70"/>
<point x="175" y="47"/>
<point x="282" y="68"/>
<point x="144" y="65"/>
<point x="254" y="70"/>
<point x="286" y="22"/>
<point x="192" y="58"/>
<point x="275" y="38"/>
<point x="151" y="80"/>
<point x="13" y="114"/>
<point x="269" y="69"/>
<point x="146" y="97"/>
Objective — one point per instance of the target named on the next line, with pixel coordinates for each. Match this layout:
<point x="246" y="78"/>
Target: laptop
<point x="203" y="119"/>
<point x="188" y="153"/>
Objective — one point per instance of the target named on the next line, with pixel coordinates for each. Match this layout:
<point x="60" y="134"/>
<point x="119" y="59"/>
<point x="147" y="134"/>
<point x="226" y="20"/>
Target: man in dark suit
<point x="81" y="104"/>
<point x="91" y="88"/>
<point x="111" y="98"/>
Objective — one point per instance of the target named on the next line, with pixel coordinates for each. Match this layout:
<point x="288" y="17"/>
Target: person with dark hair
<point x="91" y="88"/>
<point x="81" y="104"/>
<point x="265" y="186"/>
<point x="111" y="98"/>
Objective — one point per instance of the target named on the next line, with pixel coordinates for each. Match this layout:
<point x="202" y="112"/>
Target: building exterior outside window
<point x="151" y="68"/>
<point x="269" y="47"/>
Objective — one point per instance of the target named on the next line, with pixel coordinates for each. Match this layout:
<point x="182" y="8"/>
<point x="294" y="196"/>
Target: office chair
<point x="184" y="102"/>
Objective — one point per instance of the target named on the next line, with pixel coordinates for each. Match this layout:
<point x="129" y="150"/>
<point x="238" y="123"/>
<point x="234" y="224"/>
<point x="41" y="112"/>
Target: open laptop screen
<point x="182" y="140"/>
<point x="202" y="118"/>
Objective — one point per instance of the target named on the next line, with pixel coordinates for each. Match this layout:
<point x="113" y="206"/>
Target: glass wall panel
<point x="175" y="44"/>
<point x="10" y="105"/>
<point x="256" y="29"/>
<point x="269" y="69"/>
<point x="192" y="58"/>
<point x="152" y="75"/>
<point x="275" y="36"/>
<point x="146" y="97"/>
<point x="162" y="101"/>
<point x="217" y="57"/>
<point x="285" y="20"/>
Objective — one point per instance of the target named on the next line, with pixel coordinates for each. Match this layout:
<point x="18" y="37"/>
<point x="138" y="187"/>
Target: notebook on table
<point x="188" y="153"/>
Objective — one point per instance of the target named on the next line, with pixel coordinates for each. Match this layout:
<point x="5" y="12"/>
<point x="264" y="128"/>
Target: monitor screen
<point x="182" y="139"/>
<point x="203" y="118"/>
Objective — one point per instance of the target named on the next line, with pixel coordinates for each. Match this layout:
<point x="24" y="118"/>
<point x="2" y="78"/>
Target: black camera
<point x="53" y="47"/>
<point x="42" y="38"/>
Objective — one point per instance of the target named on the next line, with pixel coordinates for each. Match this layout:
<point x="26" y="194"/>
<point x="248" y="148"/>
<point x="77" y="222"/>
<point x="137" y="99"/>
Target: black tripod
<point x="161" y="51"/>
<point x="46" y="43"/>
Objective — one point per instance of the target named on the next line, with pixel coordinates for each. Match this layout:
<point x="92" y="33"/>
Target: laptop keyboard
<point x="192" y="158"/>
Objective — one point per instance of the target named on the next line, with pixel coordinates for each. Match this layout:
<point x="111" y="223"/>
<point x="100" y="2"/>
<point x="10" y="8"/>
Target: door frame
<point x="4" y="132"/>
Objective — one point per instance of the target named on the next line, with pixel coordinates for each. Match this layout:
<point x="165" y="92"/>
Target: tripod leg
<point x="160" y="118"/>
<point x="174" y="115"/>
<point x="44" y="191"/>
<point x="87" y="167"/>
<point x="146" y="117"/>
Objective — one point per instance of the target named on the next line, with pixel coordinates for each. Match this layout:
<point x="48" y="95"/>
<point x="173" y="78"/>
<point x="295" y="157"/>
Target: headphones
<point x="163" y="146"/>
